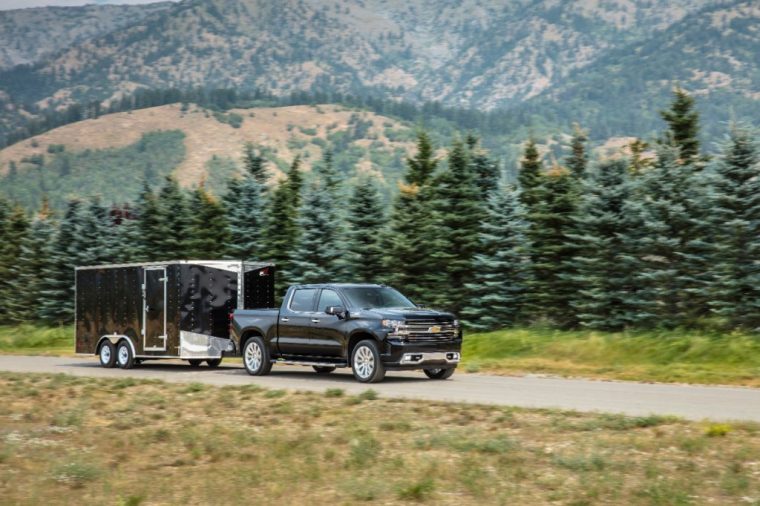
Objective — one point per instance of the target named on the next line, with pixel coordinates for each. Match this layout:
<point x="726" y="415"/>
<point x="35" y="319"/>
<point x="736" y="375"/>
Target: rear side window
<point x="303" y="299"/>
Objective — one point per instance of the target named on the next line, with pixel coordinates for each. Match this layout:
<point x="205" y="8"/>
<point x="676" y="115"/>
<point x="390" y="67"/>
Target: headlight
<point x="456" y="324"/>
<point x="392" y="324"/>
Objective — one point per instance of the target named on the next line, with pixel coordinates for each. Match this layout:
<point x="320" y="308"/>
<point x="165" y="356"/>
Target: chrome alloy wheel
<point x="123" y="355"/>
<point x="364" y="362"/>
<point x="253" y="356"/>
<point x="105" y="354"/>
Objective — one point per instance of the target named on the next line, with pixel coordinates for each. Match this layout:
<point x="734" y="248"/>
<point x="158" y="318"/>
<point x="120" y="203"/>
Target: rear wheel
<point x="124" y="357"/>
<point x="214" y="362"/>
<point x="256" y="357"/>
<point x="107" y="354"/>
<point x="324" y="369"/>
<point x="366" y="364"/>
<point x="439" y="374"/>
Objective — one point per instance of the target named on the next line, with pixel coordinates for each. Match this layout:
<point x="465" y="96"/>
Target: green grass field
<point x="71" y="440"/>
<point x="30" y="339"/>
<point x="664" y="356"/>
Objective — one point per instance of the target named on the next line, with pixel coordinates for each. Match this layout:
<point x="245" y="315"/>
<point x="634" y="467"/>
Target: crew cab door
<point x="328" y="333"/>
<point x="295" y="320"/>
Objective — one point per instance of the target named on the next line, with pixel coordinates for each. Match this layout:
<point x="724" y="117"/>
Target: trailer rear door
<point x="154" y="309"/>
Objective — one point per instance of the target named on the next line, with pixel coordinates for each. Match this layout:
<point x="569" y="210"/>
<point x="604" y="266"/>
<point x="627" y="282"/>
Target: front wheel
<point x="439" y="374"/>
<point x="107" y="354"/>
<point x="256" y="357"/>
<point x="124" y="356"/>
<point x="366" y="364"/>
<point x="194" y="362"/>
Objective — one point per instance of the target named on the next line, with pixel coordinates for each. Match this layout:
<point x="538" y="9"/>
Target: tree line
<point x="666" y="239"/>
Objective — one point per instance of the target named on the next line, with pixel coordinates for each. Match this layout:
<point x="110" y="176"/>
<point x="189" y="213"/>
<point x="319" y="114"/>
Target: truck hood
<point x="404" y="314"/>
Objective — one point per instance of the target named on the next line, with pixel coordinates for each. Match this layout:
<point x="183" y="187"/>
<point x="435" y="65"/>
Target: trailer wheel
<point x="124" y="356"/>
<point x="439" y="374"/>
<point x="366" y="363"/>
<point x="194" y="362"/>
<point x="256" y="357"/>
<point x="323" y="369"/>
<point x="107" y="354"/>
<point x="214" y="362"/>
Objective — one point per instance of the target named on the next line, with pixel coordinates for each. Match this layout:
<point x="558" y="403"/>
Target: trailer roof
<point x="217" y="264"/>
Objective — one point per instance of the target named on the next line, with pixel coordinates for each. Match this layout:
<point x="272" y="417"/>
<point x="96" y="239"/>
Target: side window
<point x="303" y="299"/>
<point x="328" y="298"/>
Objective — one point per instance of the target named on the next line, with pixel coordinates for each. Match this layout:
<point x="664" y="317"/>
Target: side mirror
<point x="338" y="311"/>
<point x="420" y="306"/>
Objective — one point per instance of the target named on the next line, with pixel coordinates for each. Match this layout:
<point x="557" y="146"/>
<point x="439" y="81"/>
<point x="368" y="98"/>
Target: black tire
<point x="323" y="369"/>
<point x="256" y="357"/>
<point x="365" y="362"/>
<point x="124" y="356"/>
<point x="214" y="362"/>
<point x="107" y="354"/>
<point x="439" y="374"/>
<point x="194" y="362"/>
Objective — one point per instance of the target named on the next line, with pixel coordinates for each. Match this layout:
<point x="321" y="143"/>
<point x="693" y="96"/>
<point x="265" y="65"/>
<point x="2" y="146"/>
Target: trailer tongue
<point x="180" y="309"/>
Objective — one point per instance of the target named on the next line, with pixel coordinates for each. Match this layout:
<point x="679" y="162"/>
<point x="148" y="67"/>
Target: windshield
<point x="376" y="297"/>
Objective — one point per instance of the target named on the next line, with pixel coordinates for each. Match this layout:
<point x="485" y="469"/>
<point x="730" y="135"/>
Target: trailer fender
<point x="115" y="338"/>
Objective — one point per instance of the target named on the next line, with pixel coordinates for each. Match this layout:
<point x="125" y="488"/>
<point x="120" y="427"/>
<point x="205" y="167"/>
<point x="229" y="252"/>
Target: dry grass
<point x="67" y="440"/>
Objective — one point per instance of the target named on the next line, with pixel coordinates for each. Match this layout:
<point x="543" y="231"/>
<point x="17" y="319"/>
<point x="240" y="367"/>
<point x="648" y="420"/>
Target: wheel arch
<point x="354" y="339"/>
<point x="249" y="333"/>
<point x="115" y="339"/>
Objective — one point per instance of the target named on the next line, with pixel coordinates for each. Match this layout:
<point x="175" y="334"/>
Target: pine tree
<point x="530" y="176"/>
<point x="606" y="297"/>
<point x="422" y="166"/>
<point x="57" y="284"/>
<point x="36" y="251"/>
<point x="673" y="256"/>
<point x="486" y="170"/>
<point x="13" y="226"/>
<point x="95" y="233"/>
<point x="281" y="229"/>
<point x="552" y="286"/>
<point x="366" y="218"/>
<point x="407" y="263"/>
<point x="578" y="159"/>
<point x="173" y="222"/>
<point x="245" y="213"/>
<point x="457" y="211"/>
<point x="254" y="164"/>
<point x="149" y="227"/>
<point x="501" y="269"/>
<point x="318" y="252"/>
<point x="683" y="126"/>
<point x="638" y="162"/>
<point x="327" y="173"/>
<point x="209" y="230"/>
<point x="735" y="205"/>
<point x="127" y="236"/>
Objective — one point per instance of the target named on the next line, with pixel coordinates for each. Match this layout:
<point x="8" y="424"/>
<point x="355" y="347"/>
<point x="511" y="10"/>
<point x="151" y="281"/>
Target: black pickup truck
<point x="370" y="328"/>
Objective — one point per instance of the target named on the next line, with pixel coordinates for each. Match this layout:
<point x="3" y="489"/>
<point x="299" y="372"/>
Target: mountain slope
<point x="477" y="53"/>
<point x="29" y="35"/>
<point x="712" y="53"/>
<point x="208" y="148"/>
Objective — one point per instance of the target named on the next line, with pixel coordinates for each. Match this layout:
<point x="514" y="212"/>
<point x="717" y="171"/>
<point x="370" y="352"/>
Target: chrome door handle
<point x="284" y="319"/>
<point x="316" y="320"/>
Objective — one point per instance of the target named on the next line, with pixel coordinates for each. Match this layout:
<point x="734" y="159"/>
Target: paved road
<point x="691" y="402"/>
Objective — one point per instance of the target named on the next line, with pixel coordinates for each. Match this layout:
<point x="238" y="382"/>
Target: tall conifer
<point x="501" y="268"/>
<point x="366" y="219"/>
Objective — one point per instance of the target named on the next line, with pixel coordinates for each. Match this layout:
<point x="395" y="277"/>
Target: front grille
<point x="429" y="330"/>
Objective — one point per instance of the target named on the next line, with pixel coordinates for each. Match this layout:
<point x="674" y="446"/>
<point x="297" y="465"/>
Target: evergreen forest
<point x="667" y="237"/>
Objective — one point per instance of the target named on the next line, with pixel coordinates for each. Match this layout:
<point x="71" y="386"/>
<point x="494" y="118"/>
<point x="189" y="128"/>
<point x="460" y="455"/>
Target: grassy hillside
<point x="205" y="445"/>
<point x="111" y="155"/>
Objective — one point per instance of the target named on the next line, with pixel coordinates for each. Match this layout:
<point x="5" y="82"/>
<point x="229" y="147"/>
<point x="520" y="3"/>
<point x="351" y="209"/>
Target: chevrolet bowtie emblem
<point x="434" y="329"/>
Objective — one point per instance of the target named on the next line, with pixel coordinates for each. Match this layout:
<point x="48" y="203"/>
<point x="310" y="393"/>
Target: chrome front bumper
<point x="447" y="357"/>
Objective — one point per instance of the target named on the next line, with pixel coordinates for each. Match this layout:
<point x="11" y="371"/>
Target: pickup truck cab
<point x="370" y="328"/>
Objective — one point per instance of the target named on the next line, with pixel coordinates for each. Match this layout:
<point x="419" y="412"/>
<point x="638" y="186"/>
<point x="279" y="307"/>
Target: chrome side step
<point x="304" y="362"/>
